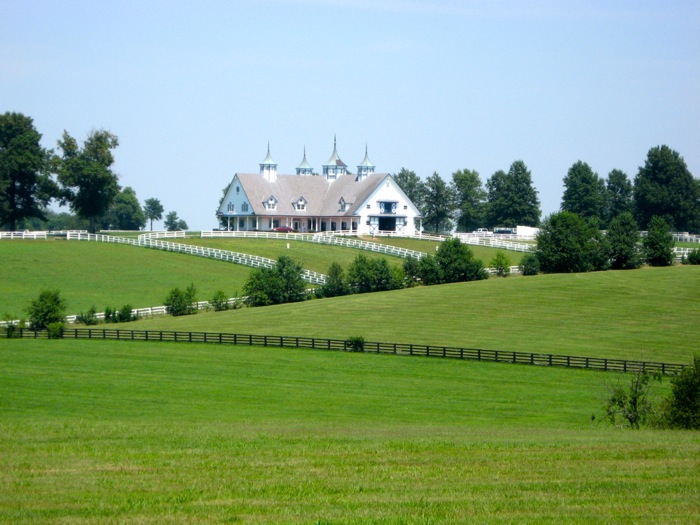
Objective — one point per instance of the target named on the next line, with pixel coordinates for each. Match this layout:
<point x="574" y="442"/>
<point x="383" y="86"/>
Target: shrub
<point x="530" y="264"/>
<point x="46" y="309"/>
<point x="219" y="302"/>
<point x="355" y="344"/>
<point x="501" y="263"/>
<point x="181" y="302"/>
<point x="335" y="284"/>
<point x="88" y="318"/>
<point x="658" y="243"/>
<point x="109" y="315"/>
<point x="631" y="406"/>
<point x="623" y="235"/>
<point x="693" y="257"/>
<point x="682" y="408"/>
<point x="125" y="314"/>
<point x="55" y="330"/>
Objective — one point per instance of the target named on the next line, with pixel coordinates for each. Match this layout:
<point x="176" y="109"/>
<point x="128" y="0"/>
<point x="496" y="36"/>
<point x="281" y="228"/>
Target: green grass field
<point x="102" y="274"/>
<point x="649" y="314"/>
<point x="115" y="432"/>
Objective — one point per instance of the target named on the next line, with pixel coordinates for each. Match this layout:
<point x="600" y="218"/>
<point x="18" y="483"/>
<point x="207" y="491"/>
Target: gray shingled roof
<point x="322" y="196"/>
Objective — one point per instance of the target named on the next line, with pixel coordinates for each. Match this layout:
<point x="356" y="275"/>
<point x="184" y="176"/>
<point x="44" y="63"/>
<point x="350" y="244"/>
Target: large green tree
<point x="25" y="186"/>
<point x="438" y="205"/>
<point x="126" y="212"/>
<point x="619" y="194"/>
<point x="567" y="243"/>
<point x="664" y="187"/>
<point x="412" y="186"/>
<point x="658" y="243"/>
<point x="173" y="222"/>
<point x="153" y="210"/>
<point x="85" y="175"/>
<point x="512" y="198"/>
<point x="470" y="197"/>
<point x="584" y="192"/>
<point x="623" y="237"/>
<point x="283" y="283"/>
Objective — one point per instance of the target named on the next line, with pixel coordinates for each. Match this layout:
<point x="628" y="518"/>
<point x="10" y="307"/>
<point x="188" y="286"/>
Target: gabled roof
<point x="322" y="196"/>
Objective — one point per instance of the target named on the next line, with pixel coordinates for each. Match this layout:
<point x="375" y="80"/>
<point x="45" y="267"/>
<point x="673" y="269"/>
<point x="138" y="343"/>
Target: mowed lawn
<point x="117" y="432"/>
<point x="649" y="314"/>
<point x="100" y="274"/>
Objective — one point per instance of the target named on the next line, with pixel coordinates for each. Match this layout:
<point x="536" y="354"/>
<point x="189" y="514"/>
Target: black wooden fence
<point x="353" y="345"/>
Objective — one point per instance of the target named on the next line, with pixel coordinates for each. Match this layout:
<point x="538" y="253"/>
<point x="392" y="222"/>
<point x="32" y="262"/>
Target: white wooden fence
<point x="23" y="235"/>
<point x="201" y="251"/>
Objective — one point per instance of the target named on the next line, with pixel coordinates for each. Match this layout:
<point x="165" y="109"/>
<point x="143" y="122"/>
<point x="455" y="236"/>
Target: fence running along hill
<point x="498" y="356"/>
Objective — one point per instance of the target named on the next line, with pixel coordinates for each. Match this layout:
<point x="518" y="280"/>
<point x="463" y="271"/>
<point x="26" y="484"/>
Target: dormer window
<point x="271" y="203"/>
<point x="300" y="204"/>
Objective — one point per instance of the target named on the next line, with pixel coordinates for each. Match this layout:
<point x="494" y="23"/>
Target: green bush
<point x="355" y="344"/>
<point x="530" y="264"/>
<point x="46" y="309"/>
<point x="124" y="315"/>
<point x="658" y="243"/>
<point x="219" y="302"/>
<point x="55" y="330"/>
<point x="501" y="263"/>
<point x="88" y="318"/>
<point x="682" y="408"/>
<point x="181" y="302"/>
<point x="693" y="257"/>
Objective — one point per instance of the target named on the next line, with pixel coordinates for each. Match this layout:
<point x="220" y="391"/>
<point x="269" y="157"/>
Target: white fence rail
<point x="24" y="235"/>
<point x="201" y="251"/>
<point x="163" y="235"/>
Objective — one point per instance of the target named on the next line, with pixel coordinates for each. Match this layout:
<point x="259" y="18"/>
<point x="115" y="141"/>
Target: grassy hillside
<point x="649" y="314"/>
<point x="96" y="432"/>
<point x="105" y="274"/>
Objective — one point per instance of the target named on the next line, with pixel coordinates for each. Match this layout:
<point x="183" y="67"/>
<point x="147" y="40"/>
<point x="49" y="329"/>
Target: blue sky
<point x="195" y="90"/>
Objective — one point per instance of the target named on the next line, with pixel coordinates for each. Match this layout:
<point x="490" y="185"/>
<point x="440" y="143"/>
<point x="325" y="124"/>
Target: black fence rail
<point x="355" y="345"/>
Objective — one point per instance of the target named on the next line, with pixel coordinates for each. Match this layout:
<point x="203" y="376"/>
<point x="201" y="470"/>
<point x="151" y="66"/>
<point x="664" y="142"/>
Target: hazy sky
<point x="195" y="90"/>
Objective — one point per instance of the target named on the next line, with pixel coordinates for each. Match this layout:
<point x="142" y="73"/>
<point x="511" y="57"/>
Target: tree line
<point x="77" y="176"/>
<point x="663" y="187"/>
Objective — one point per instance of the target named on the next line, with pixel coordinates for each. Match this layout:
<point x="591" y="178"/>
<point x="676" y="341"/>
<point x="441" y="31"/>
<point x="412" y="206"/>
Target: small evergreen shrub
<point x="501" y="263"/>
<point x="88" y="318"/>
<point x="530" y="264"/>
<point x="181" y="302"/>
<point x="219" y="302"/>
<point x="124" y="315"/>
<point x="355" y="344"/>
<point x="55" y="330"/>
<point x="693" y="257"/>
<point x="109" y="315"/>
<point x="46" y="309"/>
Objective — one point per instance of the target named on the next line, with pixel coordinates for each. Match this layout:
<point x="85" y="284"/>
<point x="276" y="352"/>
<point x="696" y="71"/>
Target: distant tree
<point x="511" y="198"/>
<point x="630" y="406"/>
<point x="181" y="302"/>
<point x="126" y="212"/>
<point x="438" y="205"/>
<point x="619" y="195"/>
<point x="153" y="210"/>
<point x="174" y="223"/>
<point x="530" y="264"/>
<point x="682" y="408"/>
<point x="47" y="309"/>
<point x="584" y="193"/>
<point x="335" y="284"/>
<point x="501" y="263"/>
<point x="372" y="275"/>
<point x="658" y="243"/>
<point x="412" y="186"/>
<point x="85" y="175"/>
<point x="25" y="186"/>
<point x="664" y="187"/>
<point x="470" y="199"/>
<point x="567" y="243"/>
<point x="623" y="237"/>
<point x="282" y="283"/>
<point x="457" y="262"/>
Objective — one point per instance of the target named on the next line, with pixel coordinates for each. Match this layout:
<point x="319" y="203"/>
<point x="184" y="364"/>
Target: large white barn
<point x="365" y="202"/>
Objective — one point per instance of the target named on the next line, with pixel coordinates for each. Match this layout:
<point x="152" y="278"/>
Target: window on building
<point x="231" y="207"/>
<point x="342" y="204"/>
<point x="244" y="207"/>
<point x="387" y="207"/>
<point x="271" y="203"/>
<point x="300" y="205"/>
